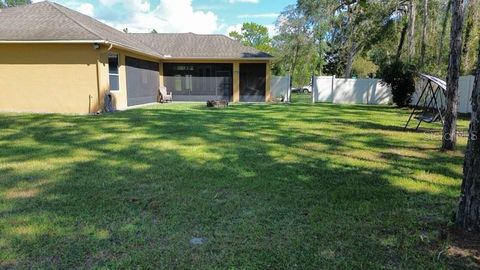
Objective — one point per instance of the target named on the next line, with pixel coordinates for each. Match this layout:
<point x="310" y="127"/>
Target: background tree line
<point x="360" y="38"/>
<point x="13" y="3"/>
<point x="357" y="38"/>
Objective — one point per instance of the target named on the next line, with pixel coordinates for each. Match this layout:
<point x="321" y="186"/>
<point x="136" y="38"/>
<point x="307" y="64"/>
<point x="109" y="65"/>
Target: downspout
<point x="99" y="101"/>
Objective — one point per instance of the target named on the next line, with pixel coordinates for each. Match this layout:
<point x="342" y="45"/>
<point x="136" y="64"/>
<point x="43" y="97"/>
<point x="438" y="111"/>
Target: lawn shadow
<point x="265" y="185"/>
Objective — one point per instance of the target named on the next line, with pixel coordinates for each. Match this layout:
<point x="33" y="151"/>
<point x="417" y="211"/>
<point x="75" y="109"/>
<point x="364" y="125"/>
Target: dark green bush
<point x="401" y="79"/>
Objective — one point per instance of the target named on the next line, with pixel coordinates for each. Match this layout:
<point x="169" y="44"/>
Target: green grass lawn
<point x="269" y="186"/>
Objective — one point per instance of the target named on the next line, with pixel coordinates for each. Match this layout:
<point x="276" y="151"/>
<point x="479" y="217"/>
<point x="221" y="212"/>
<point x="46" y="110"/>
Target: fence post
<point x="314" y="90"/>
<point x="372" y="84"/>
<point x="289" y="90"/>
<point x="333" y="87"/>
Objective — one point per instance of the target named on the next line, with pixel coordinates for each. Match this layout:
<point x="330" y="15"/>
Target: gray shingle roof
<point x="47" y="21"/>
<point x="191" y="45"/>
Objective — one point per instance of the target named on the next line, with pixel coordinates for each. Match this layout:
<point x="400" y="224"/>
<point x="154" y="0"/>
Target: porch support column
<point x="268" y="80"/>
<point x="160" y="71"/>
<point x="236" y="82"/>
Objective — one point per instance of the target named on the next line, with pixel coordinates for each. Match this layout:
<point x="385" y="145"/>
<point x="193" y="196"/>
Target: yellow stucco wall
<point x="48" y="78"/>
<point x="73" y="78"/>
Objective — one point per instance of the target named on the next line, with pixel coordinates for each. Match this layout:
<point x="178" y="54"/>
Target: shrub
<point x="400" y="77"/>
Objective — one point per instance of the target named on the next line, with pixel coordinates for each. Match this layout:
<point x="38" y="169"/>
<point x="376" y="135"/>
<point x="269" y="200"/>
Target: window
<point x="178" y="83"/>
<point x="113" y="72"/>
<point x="188" y="82"/>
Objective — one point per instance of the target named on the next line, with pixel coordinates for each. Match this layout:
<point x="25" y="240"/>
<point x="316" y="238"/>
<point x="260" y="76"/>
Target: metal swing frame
<point x="432" y="95"/>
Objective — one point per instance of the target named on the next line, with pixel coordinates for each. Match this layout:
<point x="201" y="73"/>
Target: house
<point x="56" y="60"/>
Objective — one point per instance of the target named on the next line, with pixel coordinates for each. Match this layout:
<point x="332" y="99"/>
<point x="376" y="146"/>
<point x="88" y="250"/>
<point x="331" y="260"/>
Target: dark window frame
<point x="113" y="71"/>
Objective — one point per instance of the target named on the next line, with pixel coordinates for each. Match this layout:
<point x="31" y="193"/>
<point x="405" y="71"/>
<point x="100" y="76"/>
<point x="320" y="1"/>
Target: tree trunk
<point x="424" y="33"/>
<point x="444" y="31"/>
<point x="294" y="60"/>
<point x="468" y="211"/>
<point x="450" y="126"/>
<point x="352" y="50"/>
<point x="411" y="30"/>
<point x="402" y="41"/>
<point x="351" y="57"/>
<point x="466" y="40"/>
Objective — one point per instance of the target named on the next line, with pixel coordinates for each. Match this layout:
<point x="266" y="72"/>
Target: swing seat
<point x="432" y="97"/>
<point x="428" y="118"/>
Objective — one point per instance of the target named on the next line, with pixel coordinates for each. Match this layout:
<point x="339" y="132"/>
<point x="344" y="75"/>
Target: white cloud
<point x="167" y="16"/>
<point x="134" y="5"/>
<point x="236" y="28"/>
<point x="261" y="15"/>
<point x="243" y="1"/>
<point x="86" y="8"/>
<point x="272" y="30"/>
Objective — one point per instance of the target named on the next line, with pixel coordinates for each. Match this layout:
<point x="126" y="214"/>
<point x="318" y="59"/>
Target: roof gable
<point x="40" y="22"/>
<point x="48" y="21"/>
<point x="189" y="45"/>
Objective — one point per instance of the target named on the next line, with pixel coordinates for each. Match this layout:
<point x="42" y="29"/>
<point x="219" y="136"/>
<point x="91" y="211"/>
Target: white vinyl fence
<point x="465" y="88"/>
<point x="350" y="91"/>
<point x="372" y="91"/>
<point x="280" y="88"/>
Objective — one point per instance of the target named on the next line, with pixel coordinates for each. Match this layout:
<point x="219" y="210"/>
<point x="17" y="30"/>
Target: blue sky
<point x="198" y="16"/>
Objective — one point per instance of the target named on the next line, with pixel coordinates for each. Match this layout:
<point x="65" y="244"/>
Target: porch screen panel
<point x="252" y="82"/>
<point x="142" y="81"/>
<point x="198" y="82"/>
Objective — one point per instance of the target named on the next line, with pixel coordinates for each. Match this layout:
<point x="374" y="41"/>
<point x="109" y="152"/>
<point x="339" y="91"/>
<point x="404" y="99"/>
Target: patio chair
<point x="164" y="96"/>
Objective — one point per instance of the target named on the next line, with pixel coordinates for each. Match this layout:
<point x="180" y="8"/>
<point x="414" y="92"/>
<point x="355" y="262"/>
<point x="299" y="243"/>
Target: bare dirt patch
<point x="463" y="249"/>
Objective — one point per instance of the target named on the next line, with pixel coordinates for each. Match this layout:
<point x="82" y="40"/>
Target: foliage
<point x="364" y="68"/>
<point x="341" y="31"/>
<point x="401" y="79"/>
<point x="294" y="46"/>
<point x="352" y="28"/>
<point x="271" y="187"/>
<point x="334" y="62"/>
<point x="253" y="35"/>
<point x="471" y="37"/>
<point x="13" y="3"/>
